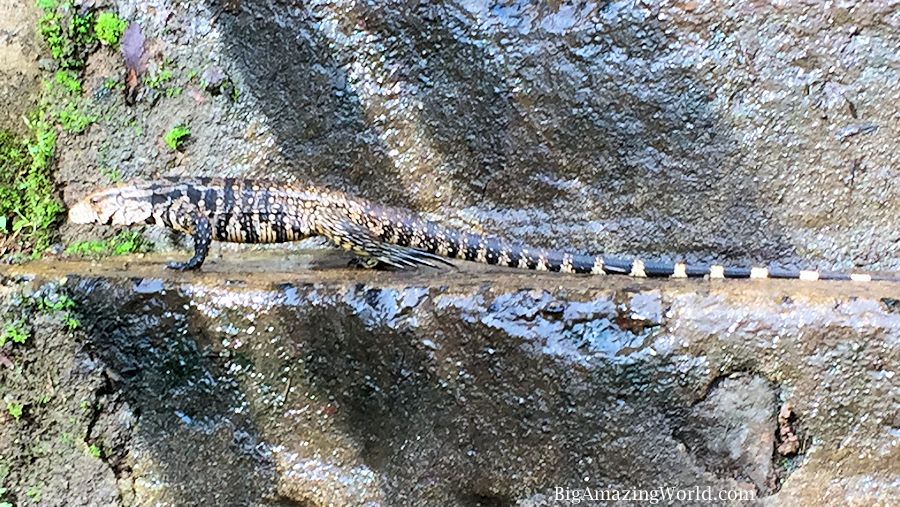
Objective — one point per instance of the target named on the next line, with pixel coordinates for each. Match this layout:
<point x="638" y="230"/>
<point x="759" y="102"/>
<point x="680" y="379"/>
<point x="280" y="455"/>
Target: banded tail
<point x="407" y="230"/>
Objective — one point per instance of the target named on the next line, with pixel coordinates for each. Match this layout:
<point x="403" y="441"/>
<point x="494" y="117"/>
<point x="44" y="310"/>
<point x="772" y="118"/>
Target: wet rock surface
<point x="732" y="131"/>
<point x="294" y="381"/>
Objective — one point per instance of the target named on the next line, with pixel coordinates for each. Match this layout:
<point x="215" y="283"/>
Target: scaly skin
<point x="259" y="211"/>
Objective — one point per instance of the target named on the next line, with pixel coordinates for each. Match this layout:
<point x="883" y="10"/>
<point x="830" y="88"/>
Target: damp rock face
<point x="736" y="131"/>
<point x="332" y="387"/>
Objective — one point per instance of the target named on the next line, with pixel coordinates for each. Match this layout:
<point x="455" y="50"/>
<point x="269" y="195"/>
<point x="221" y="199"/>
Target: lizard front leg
<point x="190" y="221"/>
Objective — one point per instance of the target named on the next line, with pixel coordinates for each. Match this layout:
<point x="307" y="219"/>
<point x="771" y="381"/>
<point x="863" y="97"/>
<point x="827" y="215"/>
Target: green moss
<point x="111" y="173"/>
<point x="34" y="493"/>
<point x="175" y="137"/>
<point x="67" y="32"/>
<point x="73" y="120"/>
<point x="109" y="28"/>
<point x="126" y="242"/>
<point x="28" y="207"/>
<point x="157" y="80"/>
<point x="68" y="80"/>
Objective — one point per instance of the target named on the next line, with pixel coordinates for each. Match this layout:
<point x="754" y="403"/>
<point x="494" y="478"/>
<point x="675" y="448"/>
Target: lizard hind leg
<point x="374" y="253"/>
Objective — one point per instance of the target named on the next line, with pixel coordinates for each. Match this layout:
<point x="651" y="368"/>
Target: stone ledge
<point x="328" y="385"/>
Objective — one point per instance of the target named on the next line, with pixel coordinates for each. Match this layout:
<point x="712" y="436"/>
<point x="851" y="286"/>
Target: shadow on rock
<point x="582" y="124"/>
<point x="301" y="85"/>
<point x="184" y="413"/>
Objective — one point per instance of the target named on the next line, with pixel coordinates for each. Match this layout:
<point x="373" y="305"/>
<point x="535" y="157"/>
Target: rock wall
<point x="737" y="131"/>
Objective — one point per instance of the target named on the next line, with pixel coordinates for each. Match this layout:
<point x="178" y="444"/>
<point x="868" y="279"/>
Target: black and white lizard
<point x="259" y="211"/>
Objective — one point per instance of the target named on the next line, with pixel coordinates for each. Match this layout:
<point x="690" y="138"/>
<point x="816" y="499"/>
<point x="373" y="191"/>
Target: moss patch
<point x="126" y="242"/>
<point x="28" y="207"/>
<point x="175" y="137"/>
<point x="68" y="33"/>
<point x="109" y="28"/>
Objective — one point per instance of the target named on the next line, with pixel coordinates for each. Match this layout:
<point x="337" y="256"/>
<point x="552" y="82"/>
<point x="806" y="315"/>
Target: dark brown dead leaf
<point x="133" y="48"/>
<point x="135" y="60"/>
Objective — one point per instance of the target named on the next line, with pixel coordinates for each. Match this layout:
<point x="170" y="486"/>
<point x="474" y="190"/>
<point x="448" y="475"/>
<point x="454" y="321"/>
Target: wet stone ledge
<point x="274" y="381"/>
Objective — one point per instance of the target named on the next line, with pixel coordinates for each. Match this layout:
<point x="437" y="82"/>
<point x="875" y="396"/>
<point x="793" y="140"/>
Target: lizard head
<point x="114" y="206"/>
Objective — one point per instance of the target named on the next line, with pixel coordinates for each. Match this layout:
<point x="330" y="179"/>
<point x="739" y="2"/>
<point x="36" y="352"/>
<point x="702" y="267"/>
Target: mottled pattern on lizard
<point x="259" y="211"/>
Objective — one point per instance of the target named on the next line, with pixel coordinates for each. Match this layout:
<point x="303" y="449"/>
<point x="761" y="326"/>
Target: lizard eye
<point x="120" y="200"/>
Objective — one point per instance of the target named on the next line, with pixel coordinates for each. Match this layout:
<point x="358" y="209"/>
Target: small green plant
<point x="74" y="121"/>
<point x="109" y="28"/>
<point x="112" y="83"/>
<point x="157" y="80"/>
<point x="95" y="451"/>
<point x="71" y="323"/>
<point x="34" y="493"/>
<point x="127" y="242"/>
<point x="175" y="137"/>
<point x="88" y="248"/>
<point x="15" y="333"/>
<point x="2" y="494"/>
<point x="84" y="405"/>
<point x="111" y="173"/>
<point x="14" y="409"/>
<point x="67" y="33"/>
<point x="59" y="303"/>
<point x="68" y="80"/>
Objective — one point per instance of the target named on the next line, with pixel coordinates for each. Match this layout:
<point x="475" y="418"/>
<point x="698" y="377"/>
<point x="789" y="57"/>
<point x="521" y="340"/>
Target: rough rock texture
<point x="731" y="130"/>
<point x="742" y="131"/>
<point x="289" y="382"/>
<point x="19" y="70"/>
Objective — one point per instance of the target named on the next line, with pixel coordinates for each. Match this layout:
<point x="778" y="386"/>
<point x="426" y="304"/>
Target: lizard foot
<point x="368" y="263"/>
<point x="183" y="266"/>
